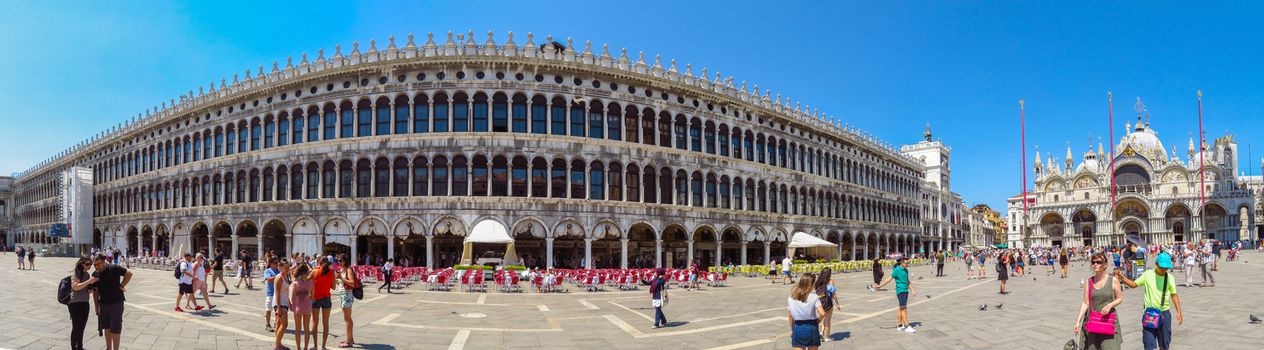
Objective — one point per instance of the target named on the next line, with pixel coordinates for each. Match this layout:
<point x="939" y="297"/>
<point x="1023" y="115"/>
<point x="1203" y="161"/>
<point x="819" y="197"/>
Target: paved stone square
<point x="748" y="314"/>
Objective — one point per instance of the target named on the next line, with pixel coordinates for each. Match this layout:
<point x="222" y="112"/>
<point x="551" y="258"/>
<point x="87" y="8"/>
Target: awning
<point x="804" y="240"/>
<point x="488" y="231"/>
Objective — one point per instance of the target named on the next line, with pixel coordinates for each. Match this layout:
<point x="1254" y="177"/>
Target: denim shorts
<point x="805" y="334"/>
<point x="322" y="303"/>
<point x="903" y="297"/>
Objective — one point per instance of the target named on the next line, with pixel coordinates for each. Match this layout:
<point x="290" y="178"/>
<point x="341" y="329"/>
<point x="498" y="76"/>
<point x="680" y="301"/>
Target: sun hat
<point x="1164" y="260"/>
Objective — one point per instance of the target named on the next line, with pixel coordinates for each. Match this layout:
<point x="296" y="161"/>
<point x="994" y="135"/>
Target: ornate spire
<point x="926" y="134"/>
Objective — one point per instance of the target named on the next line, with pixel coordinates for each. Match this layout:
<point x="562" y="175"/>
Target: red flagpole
<point x="1202" y="185"/>
<point x="1022" y="128"/>
<point x="1110" y="110"/>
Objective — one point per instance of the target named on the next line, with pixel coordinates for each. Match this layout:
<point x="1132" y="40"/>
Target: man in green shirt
<point x="1159" y="290"/>
<point x="902" y="290"/>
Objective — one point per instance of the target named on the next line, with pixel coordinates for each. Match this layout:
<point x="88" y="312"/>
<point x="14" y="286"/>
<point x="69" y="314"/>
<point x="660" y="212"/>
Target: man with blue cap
<point x="1156" y="322"/>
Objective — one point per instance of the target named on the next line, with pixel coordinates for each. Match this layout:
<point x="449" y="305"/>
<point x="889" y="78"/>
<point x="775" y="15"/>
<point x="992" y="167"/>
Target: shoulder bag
<point x="1097" y="322"/>
<point x="1153" y="317"/>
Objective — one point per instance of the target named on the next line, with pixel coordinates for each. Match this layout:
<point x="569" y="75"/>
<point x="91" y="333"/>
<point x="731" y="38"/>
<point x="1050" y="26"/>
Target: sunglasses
<point x="1096" y="262"/>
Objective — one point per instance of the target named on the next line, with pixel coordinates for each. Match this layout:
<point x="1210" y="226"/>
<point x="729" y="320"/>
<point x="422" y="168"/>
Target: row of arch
<point x="558" y="115"/>
<point x="503" y="176"/>
<point x="558" y="242"/>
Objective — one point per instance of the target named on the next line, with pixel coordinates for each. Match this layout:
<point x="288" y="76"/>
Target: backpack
<point x="179" y="272"/>
<point x="64" y="291"/>
<point x="827" y="299"/>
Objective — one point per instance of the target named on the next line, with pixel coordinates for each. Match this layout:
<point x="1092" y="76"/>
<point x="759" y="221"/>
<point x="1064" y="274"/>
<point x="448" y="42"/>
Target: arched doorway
<point x="641" y="246"/>
<point x="674" y="246"/>
<point x="163" y="240"/>
<point x="247" y="239"/>
<point x="1215" y="221"/>
<point x="371" y="243"/>
<point x="568" y="245"/>
<point x="777" y="243"/>
<point x="731" y="247"/>
<point x="412" y="247"/>
<point x="607" y="249"/>
<point x="449" y="234"/>
<point x="1051" y="225"/>
<point x="1136" y="211"/>
<point x="1177" y="217"/>
<point x="222" y="238"/>
<point x="528" y="238"/>
<point x="704" y="247"/>
<point x="146" y="241"/>
<point x="96" y="238"/>
<point x="133" y="241"/>
<point x="199" y="240"/>
<point x="336" y="237"/>
<point x="274" y="238"/>
<point x="1085" y="224"/>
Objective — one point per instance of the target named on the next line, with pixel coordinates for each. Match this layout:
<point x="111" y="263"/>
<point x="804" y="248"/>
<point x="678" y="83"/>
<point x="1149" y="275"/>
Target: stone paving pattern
<point x="749" y="314"/>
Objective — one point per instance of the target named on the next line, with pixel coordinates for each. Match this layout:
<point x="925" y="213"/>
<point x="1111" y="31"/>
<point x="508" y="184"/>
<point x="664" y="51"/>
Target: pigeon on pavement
<point x="999" y="306"/>
<point x="1254" y="319"/>
<point x="928" y="296"/>
<point x="982" y="307"/>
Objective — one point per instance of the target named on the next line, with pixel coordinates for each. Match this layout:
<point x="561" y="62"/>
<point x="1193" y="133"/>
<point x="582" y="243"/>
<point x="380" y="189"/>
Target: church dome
<point x="1145" y="142"/>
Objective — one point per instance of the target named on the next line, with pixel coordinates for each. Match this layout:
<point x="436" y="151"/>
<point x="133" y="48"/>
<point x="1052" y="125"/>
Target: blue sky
<point x="71" y="70"/>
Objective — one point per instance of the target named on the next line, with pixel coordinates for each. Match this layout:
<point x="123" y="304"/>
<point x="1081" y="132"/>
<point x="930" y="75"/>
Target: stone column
<point x="743" y="253"/>
<point x="355" y="252"/>
<point x="767" y="252"/>
<point x="719" y="252"/>
<point x="623" y="253"/>
<point x="153" y="246"/>
<point x="235" y="254"/>
<point x="390" y="247"/>
<point x="853" y="247"/>
<point x="658" y="253"/>
<point x="689" y="254"/>
<point x="548" y="252"/>
<point x="588" y="264"/>
<point x="430" y="252"/>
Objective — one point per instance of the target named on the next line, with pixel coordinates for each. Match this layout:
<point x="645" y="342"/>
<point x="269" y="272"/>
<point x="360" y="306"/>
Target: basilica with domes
<point x="1159" y="195"/>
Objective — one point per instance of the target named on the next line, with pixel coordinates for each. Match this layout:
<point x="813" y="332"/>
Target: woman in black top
<point x="1002" y="269"/>
<point x="877" y="270"/>
<point x="80" y="295"/>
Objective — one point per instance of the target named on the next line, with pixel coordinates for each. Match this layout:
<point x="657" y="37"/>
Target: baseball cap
<point x="1164" y="260"/>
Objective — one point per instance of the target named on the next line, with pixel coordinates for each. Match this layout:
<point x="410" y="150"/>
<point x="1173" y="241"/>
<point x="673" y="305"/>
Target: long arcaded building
<point x="588" y="157"/>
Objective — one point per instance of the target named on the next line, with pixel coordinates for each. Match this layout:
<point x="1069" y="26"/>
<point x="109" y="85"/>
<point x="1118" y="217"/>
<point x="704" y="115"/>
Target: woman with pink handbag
<point x="1097" y="322"/>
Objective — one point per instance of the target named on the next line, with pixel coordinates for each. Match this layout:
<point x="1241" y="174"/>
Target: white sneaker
<point x="899" y="328"/>
<point x="910" y="329"/>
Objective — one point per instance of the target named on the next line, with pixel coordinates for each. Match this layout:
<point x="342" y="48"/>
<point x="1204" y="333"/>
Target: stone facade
<point x="585" y="156"/>
<point x="1158" y="196"/>
<point x="942" y="219"/>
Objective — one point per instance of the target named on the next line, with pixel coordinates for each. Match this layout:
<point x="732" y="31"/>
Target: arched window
<point x="665" y="182"/>
<point x="219" y="146"/>
<point x="725" y="201"/>
<point x="596" y="122"/>
<point x="421" y="114"/>
<point x="614" y="122"/>
<point x="255" y="132"/>
<point x="539" y="115"/>
<point x="345" y="178"/>
<point x="519" y="177"/>
<point x="296" y="182"/>
<point x="401" y="116"/>
<point x="557" y="116"/>
<point x="632" y="122"/>
<point x="708" y="138"/>
<point x="347" y="128"/>
<point x="197" y="154"/>
<point x="313" y="125"/>
<point x="558" y="179"/>
<point x="520" y="113"/>
<point x="480" y="112"/>
<point x="399" y="180"/>
<point x="478" y="176"/>
<point x="695" y="186"/>
<point x="460" y="113"/>
<point x="421" y="176"/>
<point x="500" y="113"/>
<point x="460" y="176"/>
<point x="364" y="118"/>
<point x="682" y="132"/>
<point x="724" y="140"/>
<point x="665" y="130"/>
<point x="329" y="180"/>
<point x="577" y="119"/>
<point x="748" y="145"/>
<point x="597" y="181"/>
<point x="577" y="179"/>
<point x="616" y="182"/>
<point x="759" y="149"/>
<point x="634" y="183"/>
<point x="500" y="177"/>
<point x="440" y="113"/>
<point x="539" y="178"/>
<point x="298" y="123"/>
<point x="749" y="194"/>
<point x="381" y="178"/>
<point x="439" y="181"/>
<point x="242" y="181"/>
<point x="382" y="109"/>
<point x="269" y="130"/>
<point x="269" y="182"/>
